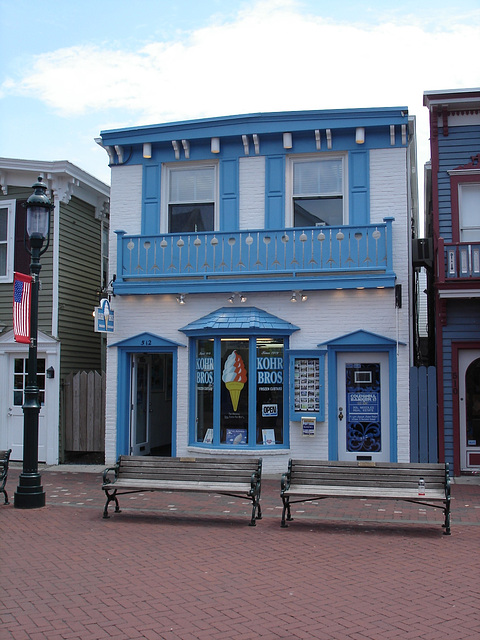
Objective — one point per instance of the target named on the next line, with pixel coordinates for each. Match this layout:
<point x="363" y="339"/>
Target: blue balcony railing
<point x="286" y="258"/>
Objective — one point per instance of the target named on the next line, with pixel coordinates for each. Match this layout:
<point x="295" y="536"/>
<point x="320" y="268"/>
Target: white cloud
<point x="271" y="57"/>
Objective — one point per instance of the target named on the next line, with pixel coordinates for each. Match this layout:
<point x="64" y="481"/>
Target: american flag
<point x="21" y="307"/>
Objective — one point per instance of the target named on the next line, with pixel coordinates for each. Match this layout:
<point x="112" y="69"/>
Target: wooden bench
<point x="4" y="460"/>
<point x="228" y="475"/>
<point x="308" y="480"/>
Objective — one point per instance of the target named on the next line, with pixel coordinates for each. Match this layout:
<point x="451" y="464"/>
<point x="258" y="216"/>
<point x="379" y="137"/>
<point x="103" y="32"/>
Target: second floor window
<point x="469" y="210"/>
<point x="7" y="239"/>
<point x="318" y="186"/>
<point x="191" y="198"/>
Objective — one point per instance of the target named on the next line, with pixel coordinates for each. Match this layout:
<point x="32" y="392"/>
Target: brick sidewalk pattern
<point x="176" y="566"/>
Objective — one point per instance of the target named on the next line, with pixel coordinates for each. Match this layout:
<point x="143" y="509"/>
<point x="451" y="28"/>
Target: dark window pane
<point x="185" y="218"/>
<point x="311" y="212"/>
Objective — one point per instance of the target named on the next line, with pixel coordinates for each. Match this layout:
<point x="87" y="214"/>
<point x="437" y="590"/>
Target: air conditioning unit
<point x="422" y="252"/>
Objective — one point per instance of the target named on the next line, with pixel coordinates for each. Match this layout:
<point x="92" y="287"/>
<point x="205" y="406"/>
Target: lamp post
<point x="30" y="494"/>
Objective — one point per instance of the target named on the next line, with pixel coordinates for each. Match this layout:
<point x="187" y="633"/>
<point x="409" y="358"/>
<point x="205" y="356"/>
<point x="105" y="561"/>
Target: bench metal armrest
<point x="255" y="479"/>
<point x="287" y="477"/>
<point x="106" y="479"/>
<point x="285" y="482"/>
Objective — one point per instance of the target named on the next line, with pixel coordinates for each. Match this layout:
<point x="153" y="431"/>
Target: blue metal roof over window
<point x="236" y="320"/>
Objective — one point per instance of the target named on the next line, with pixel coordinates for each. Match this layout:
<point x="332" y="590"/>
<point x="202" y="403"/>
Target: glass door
<point x="151" y="404"/>
<point x="363" y="407"/>
<point x="140" y="405"/>
<point x="15" y="415"/>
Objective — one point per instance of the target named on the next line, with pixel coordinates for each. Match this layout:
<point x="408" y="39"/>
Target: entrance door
<point x="469" y="387"/>
<point x="363" y="406"/>
<point x="151" y="404"/>
<point x="18" y="368"/>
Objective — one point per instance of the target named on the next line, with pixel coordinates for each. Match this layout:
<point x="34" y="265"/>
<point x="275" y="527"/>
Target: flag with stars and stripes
<point x="22" y="293"/>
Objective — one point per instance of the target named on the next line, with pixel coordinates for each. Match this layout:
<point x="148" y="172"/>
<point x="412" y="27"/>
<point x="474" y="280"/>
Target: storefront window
<point x="204" y="377"/>
<point x="234" y="392"/>
<point x="269" y="382"/>
<point x="239" y="391"/>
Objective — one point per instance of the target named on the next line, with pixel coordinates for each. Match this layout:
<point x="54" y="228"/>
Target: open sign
<point x="269" y="410"/>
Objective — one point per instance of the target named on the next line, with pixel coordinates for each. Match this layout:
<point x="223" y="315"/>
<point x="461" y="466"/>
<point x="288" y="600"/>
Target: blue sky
<point x="71" y="68"/>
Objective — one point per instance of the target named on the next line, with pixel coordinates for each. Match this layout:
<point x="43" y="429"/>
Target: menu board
<point x="306" y="385"/>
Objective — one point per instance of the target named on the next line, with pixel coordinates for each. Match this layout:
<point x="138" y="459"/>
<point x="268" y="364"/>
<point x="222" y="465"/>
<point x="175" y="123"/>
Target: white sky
<point x="71" y="68"/>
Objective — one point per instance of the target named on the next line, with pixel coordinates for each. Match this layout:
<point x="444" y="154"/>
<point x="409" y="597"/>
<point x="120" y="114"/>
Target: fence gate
<point x="423" y="415"/>
<point x="84" y="407"/>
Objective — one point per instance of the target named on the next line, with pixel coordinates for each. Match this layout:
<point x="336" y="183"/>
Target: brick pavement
<point x="183" y="567"/>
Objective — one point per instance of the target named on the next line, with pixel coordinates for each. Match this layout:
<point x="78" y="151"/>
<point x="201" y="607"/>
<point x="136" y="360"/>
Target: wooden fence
<point x="84" y="407"/>
<point x="423" y="415"/>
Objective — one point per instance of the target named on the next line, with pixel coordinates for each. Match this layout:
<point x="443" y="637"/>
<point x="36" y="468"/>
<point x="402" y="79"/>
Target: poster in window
<point x="234" y="390"/>
<point x="307" y="385"/>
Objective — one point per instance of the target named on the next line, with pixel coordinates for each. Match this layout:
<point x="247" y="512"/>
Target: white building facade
<point x="261" y="277"/>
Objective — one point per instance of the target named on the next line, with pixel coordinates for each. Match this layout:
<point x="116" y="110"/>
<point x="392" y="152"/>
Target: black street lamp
<point x="30" y="493"/>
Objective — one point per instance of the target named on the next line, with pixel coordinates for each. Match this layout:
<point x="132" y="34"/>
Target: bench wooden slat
<point x="365" y="492"/>
<point x="179" y="485"/>
<point x="306" y="480"/>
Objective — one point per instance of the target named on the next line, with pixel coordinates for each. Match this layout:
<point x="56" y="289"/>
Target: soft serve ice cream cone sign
<point x="234" y="376"/>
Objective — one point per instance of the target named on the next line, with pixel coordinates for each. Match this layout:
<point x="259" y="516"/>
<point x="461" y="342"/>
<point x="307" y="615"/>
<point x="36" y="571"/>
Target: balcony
<point x="256" y="260"/>
<point x="462" y="261"/>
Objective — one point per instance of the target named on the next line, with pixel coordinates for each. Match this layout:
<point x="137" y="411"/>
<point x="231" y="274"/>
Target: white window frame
<point x="462" y="187"/>
<point x="292" y="160"/>
<point x="165" y="181"/>
<point x="10" y="205"/>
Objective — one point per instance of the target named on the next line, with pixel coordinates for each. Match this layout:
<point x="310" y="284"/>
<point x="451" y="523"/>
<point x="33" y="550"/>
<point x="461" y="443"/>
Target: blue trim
<point x="259" y="123"/>
<point x="146" y="340"/>
<point x="126" y="349"/>
<point x="372" y="344"/>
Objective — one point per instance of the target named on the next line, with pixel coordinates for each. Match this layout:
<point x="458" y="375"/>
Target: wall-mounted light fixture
<point x="360" y="135"/>
<point x="215" y="145"/>
<point x="50" y="373"/>
<point x="181" y="298"/>
<point x="241" y="296"/>
<point x="287" y="141"/>
<point x="298" y="295"/>
<point x="147" y="150"/>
